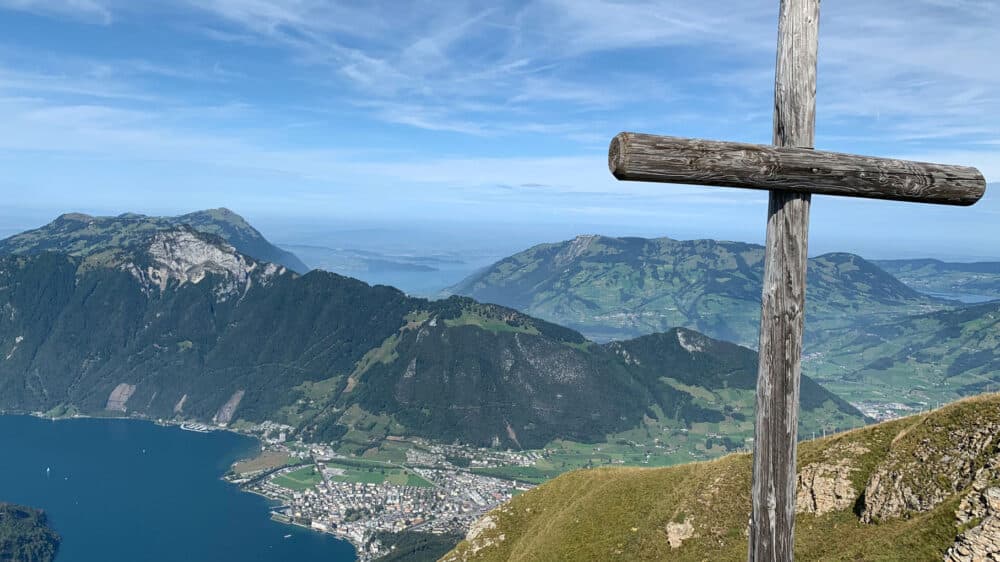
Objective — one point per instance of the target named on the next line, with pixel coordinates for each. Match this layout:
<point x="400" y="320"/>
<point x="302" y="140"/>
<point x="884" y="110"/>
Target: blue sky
<point x="492" y="115"/>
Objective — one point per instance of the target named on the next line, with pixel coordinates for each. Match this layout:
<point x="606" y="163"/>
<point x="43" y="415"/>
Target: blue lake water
<point x="963" y="297"/>
<point x="129" y="491"/>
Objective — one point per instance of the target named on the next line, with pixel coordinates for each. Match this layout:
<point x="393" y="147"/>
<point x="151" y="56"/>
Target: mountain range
<point x="613" y="288"/>
<point x="161" y="318"/>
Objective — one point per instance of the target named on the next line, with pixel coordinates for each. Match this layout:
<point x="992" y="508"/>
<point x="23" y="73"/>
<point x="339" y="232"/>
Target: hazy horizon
<point x="479" y="121"/>
<point x="480" y="243"/>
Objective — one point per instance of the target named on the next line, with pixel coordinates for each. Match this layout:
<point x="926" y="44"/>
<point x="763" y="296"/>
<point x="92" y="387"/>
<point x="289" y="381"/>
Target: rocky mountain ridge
<point x="82" y="235"/>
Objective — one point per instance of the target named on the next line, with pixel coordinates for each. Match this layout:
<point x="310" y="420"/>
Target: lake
<point x="966" y="298"/>
<point x="127" y="490"/>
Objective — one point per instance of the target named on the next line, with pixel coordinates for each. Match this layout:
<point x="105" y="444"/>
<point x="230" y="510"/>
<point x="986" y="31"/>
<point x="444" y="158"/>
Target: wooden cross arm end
<point x="640" y="157"/>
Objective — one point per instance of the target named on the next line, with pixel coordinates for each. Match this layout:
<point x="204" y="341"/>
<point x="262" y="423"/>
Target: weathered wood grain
<point x="782" y="319"/>
<point x="640" y="157"/>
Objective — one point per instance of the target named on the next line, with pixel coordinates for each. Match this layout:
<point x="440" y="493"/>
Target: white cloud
<point x="93" y="11"/>
<point x="567" y="74"/>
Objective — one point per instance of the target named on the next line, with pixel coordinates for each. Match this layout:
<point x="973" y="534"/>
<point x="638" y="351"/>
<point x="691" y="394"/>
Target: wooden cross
<point x="792" y="171"/>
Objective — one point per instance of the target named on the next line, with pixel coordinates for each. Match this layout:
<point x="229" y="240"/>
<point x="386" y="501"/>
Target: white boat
<point x="196" y="427"/>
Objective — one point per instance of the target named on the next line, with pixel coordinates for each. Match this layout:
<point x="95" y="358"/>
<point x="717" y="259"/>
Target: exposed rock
<point x="979" y="544"/>
<point x="179" y="406"/>
<point x="577" y="247"/>
<point x="187" y="256"/>
<point x="225" y="413"/>
<point x="119" y="396"/>
<point x="693" y="342"/>
<point x="17" y="342"/>
<point x="981" y="509"/>
<point x="928" y="465"/>
<point x="677" y="533"/>
<point x="479" y="537"/>
<point x="983" y="500"/>
<point x="823" y="488"/>
<point x="411" y="369"/>
<point x="512" y="434"/>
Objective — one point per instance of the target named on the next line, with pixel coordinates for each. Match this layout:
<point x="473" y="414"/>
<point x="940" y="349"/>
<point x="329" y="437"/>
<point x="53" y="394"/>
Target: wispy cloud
<point x="441" y="105"/>
<point x="93" y="11"/>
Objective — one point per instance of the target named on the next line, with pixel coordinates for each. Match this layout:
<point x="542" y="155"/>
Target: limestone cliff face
<point x="183" y="255"/>
<point x="825" y="486"/>
<point x="928" y="464"/>
<point x="980" y="512"/>
<point x="933" y="461"/>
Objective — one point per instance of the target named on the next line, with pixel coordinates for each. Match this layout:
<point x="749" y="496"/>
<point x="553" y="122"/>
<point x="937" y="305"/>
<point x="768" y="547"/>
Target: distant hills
<point x="143" y="317"/>
<point x="917" y="488"/>
<point x="612" y="288"/>
<point x="936" y="276"/>
<point x="924" y="359"/>
<point x="82" y="235"/>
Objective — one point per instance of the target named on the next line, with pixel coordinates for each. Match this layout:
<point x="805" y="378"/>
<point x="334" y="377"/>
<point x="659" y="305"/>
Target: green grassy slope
<point x="628" y="513"/>
<point x="925" y="359"/>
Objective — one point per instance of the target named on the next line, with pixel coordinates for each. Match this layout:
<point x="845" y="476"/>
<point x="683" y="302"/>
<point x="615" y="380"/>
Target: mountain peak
<point x="74" y="217"/>
<point x="83" y="235"/>
<point x="221" y="214"/>
<point x="575" y="248"/>
<point x="617" y="287"/>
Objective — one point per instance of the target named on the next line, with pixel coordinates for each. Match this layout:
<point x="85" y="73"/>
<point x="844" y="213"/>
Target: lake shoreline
<point x="251" y="449"/>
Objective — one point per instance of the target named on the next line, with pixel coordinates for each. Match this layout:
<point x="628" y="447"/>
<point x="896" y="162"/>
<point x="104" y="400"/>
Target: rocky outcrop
<point x="226" y="412"/>
<point x="179" y="406"/>
<point x="481" y="535"/>
<point x="928" y="464"/>
<point x="183" y="255"/>
<point x="692" y="341"/>
<point x="979" y="544"/>
<point x="979" y="512"/>
<point x="826" y="486"/>
<point x="677" y="533"/>
<point x="119" y="396"/>
<point x="576" y="248"/>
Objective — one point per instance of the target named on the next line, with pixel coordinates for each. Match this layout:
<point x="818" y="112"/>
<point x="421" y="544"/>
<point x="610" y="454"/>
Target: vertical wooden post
<point x="772" y="520"/>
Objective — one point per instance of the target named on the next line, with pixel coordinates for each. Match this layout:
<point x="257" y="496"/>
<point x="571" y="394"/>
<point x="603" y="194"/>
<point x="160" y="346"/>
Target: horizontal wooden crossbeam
<point x="640" y="157"/>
